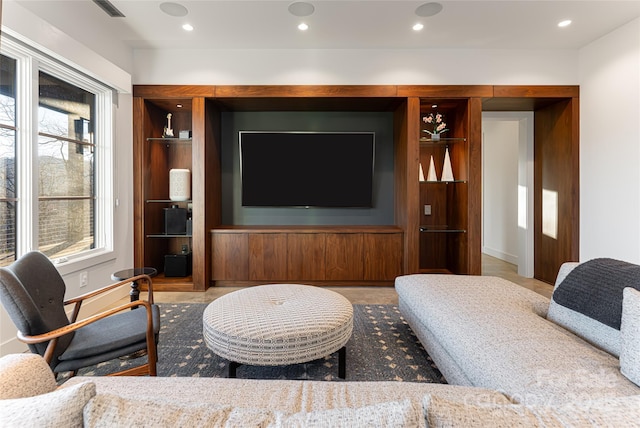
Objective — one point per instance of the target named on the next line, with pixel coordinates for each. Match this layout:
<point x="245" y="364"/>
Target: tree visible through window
<point x="66" y="168"/>
<point x="7" y="160"/>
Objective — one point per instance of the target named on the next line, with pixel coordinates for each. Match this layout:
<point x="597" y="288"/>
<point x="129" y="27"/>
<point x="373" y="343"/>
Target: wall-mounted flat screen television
<point x="307" y="169"/>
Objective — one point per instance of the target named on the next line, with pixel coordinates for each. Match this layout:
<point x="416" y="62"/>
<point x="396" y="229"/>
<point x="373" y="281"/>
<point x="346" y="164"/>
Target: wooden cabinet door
<point x="306" y="256"/>
<point x="230" y="256"/>
<point x="382" y="256"/>
<point x="267" y="256"/>
<point x="343" y="256"/>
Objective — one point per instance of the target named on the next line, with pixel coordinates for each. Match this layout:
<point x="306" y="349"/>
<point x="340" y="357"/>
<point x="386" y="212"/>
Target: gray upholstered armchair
<point x="32" y="291"/>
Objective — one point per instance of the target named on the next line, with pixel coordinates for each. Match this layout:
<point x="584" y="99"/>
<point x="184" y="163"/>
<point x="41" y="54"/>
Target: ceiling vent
<point x="109" y="8"/>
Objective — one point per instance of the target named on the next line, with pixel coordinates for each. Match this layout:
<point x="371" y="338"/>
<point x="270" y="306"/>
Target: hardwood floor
<point x="491" y="266"/>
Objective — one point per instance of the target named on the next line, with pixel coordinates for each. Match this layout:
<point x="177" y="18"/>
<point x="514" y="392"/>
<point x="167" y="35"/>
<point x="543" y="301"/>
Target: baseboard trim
<point x="509" y="258"/>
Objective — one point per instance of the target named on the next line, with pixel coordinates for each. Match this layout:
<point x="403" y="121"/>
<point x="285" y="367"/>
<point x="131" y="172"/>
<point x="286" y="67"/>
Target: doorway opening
<point x="507" y="188"/>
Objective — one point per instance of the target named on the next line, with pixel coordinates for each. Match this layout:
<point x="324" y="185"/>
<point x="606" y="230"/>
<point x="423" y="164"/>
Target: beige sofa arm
<point x="25" y="375"/>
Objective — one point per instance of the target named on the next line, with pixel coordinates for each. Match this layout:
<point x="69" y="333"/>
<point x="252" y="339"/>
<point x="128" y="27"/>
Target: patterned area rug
<point x="382" y="347"/>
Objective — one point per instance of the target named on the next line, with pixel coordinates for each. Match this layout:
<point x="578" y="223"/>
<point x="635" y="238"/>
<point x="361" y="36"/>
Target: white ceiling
<point x="336" y="24"/>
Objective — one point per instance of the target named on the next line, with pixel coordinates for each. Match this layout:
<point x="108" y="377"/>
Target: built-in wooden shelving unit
<point x="447" y="240"/>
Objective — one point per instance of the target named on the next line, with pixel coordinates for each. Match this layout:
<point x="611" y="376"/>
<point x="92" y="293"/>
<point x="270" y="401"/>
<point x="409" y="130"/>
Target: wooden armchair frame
<point x="52" y="336"/>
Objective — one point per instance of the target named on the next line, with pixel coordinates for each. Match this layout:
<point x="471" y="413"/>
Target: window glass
<point x="66" y="168"/>
<point x="7" y="160"/>
<point x="56" y="177"/>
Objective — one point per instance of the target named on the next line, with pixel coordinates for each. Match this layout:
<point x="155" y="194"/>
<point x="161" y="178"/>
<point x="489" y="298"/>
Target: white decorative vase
<point x="447" y="172"/>
<point x="431" y="174"/>
<point x="179" y="184"/>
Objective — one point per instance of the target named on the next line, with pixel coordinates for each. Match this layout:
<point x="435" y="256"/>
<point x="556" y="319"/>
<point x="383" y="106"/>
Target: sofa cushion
<point x="391" y="414"/>
<point x="591" y="330"/>
<point x="594" y="332"/>
<point x="25" y="375"/>
<point x="60" y="408"/>
<point x="630" y="329"/>
<point x="106" y="411"/>
<point x="612" y="412"/>
<point x="595" y="287"/>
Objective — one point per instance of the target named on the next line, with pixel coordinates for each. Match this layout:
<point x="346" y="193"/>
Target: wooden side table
<point x="134" y="294"/>
<point x="121" y="275"/>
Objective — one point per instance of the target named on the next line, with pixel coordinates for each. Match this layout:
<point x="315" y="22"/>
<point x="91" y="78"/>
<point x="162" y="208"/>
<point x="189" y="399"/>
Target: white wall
<point x="58" y="44"/>
<point x="500" y="188"/>
<point x="354" y="67"/>
<point x="16" y="19"/>
<point x="610" y="146"/>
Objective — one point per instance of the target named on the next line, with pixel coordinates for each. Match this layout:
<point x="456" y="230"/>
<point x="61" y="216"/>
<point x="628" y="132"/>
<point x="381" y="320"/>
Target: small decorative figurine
<point x="168" y="132"/>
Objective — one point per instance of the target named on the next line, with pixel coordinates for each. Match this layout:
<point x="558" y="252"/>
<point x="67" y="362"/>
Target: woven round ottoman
<point x="278" y="325"/>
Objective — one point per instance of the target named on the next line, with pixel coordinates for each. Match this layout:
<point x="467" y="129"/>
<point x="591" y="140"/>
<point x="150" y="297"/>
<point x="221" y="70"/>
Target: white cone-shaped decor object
<point x="421" y="177"/>
<point x="179" y="184"/>
<point x="447" y="172"/>
<point x="431" y="174"/>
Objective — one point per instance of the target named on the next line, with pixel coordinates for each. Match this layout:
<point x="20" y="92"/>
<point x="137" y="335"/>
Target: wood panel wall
<point x="556" y="173"/>
<point x="319" y="255"/>
<point x="407" y="192"/>
<point x="474" y="192"/>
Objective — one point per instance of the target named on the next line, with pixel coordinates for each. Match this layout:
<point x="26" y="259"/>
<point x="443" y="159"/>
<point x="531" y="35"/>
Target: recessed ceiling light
<point x="187" y="27"/>
<point x="434" y="105"/>
<point x="173" y="9"/>
<point x="303" y="27"/>
<point x="429" y="9"/>
<point x="564" y="23"/>
<point x="179" y="105"/>
<point x="301" y="8"/>
<point x="418" y="27"/>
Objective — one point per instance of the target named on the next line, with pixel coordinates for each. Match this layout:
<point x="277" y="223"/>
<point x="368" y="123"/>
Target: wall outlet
<point x="84" y="279"/>
<point x="427" y="210"/>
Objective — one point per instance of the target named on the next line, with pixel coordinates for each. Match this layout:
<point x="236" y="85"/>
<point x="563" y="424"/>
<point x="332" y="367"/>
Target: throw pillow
<point x="630" y="330"/>
<point x="108" y="411"/>
<point x="614" y="412"/>
<point x="392" y="414"/>
<point x="25" y="375"/>
<point x="60" y="408"/>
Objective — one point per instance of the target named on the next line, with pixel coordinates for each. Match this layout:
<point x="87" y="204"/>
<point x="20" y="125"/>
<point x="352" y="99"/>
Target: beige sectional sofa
<point x="506" y="362"/>
<point x="490" y="333"/>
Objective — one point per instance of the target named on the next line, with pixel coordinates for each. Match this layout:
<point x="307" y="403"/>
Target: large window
<point x="55" y="157"/>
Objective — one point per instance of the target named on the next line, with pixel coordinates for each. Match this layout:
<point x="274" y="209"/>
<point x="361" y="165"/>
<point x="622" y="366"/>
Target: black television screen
<point x="304" y="169"/>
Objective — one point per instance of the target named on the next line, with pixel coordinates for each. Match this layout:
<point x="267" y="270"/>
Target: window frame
<point x="29" y="62"/>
